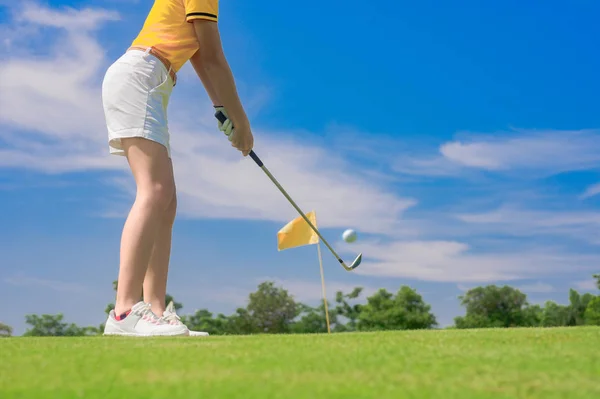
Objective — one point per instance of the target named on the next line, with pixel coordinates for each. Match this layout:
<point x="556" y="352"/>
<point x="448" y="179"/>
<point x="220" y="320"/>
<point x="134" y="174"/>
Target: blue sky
<point x="462" y="144"/>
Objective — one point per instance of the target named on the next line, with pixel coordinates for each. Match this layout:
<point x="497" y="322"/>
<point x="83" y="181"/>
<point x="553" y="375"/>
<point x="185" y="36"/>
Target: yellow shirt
<point x="169" y="30"/>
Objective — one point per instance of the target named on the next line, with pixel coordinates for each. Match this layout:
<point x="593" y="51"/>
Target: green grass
<point x="515" y="363"/>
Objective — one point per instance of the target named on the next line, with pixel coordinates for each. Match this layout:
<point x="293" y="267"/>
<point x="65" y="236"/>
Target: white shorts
<point x="135" y="95"/>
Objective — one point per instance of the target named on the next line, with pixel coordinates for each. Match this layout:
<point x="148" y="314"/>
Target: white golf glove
<point x="226" y="127"/>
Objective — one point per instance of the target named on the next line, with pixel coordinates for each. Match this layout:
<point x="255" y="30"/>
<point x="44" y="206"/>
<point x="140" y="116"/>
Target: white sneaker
<point x="171" y="317"/>
<point x="142" y="322"/>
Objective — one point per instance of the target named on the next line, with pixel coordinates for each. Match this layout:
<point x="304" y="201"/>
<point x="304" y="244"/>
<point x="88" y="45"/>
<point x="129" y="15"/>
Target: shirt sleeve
<point x="201" y="9"/>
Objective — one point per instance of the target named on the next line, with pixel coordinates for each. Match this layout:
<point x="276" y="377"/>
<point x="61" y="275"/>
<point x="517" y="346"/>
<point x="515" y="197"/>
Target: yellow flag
<point x="297" y="233"/>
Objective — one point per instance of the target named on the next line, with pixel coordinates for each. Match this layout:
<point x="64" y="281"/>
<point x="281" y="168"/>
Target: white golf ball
<point x="349" y="235"/>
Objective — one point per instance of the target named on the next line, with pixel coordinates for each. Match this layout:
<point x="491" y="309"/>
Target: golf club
<point x="222" y="118"/>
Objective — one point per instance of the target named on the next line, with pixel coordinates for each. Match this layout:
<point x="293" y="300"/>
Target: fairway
<point x="503" y="363"/>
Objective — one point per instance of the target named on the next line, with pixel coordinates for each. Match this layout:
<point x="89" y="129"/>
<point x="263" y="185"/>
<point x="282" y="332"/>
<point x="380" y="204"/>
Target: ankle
<point x="157" y="310"/>
<point x="122" y="314"/>
<point x="156" y="305"/>
<point x="121" y="308"/>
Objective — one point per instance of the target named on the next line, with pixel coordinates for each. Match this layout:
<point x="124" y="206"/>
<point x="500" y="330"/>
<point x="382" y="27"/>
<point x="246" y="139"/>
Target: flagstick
<point x="323" y="286"/>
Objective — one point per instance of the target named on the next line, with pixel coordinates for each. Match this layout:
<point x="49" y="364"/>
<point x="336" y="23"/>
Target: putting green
<point x="445" y="364"/>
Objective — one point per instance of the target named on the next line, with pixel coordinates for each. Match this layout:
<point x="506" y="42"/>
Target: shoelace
<point x="148" y="315"/>
<point x="172" y="318"/>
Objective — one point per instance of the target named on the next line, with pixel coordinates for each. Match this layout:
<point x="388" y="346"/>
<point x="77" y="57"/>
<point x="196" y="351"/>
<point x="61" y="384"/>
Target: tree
<point x="405" y="311"/>
<point x="592" y="312"/>
<point x="577" y="306"/>
<point x="313" y="320"/>
<point x="597" y="277"/>
<point x="203" y="320"/>
<point x="346" y="310"/>
<point x="555" y="315"/>
<point x="532" y="316"/>
<point x="493" y="306"/>
<point x="111" y="305"/>
<point x="53" y="326"/>
<point x="243" y="323"/>
<point x="5" y="330"/>
<point x="270" y="309"/>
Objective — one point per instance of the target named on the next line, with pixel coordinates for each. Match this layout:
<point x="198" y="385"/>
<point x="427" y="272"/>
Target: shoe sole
<point x="126" y="334"/>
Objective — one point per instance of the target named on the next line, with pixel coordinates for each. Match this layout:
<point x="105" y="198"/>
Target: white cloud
<point x="213" y="182"/>
<point x="581" y="225"/>
<point x="586" y="285"/>
<point x="543" y="150"/>
<point x="452" y="261"/>
<point x="55" y="98"/>
<point x="543" y="219"/>
<point x="591" y="191"/>
<point x="536" y="288"/>
<point x="527" y="151"/>
<point x="34" y="282"/>
<point x="68" y="18"/>
<point x="436" y="166"/>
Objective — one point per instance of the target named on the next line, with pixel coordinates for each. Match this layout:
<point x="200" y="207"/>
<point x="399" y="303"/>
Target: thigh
<point x="149" y="162"/>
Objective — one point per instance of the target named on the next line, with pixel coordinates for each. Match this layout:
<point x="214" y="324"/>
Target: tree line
<point x="272" y="310"/>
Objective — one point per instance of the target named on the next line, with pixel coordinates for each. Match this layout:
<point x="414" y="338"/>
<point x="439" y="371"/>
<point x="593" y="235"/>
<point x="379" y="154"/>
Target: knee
<point x="158" y="195"/>
<point x="171" y="211"/>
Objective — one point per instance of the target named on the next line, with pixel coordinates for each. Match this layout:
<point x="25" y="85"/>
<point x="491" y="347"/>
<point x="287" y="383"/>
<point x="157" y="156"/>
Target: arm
<point x="199" y="68"/>
<point x="214" y="72"/>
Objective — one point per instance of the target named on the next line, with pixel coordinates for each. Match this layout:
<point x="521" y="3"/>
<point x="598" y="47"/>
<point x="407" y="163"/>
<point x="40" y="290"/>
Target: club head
<point x="354" y="264"/>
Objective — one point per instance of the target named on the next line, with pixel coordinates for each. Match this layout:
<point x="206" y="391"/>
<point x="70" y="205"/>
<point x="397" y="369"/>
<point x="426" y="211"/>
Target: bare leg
<point x="153" y="174"/>
<point x="155" y="283"/>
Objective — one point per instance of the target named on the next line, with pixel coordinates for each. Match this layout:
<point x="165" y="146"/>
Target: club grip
<point x="256" y="158"/>
<point x="222" y="118"/>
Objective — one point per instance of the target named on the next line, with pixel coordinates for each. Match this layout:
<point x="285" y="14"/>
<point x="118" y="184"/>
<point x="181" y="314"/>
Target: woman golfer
<point x="135" y="94"/>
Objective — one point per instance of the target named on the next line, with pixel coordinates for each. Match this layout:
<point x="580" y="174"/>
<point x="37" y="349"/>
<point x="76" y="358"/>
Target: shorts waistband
<point x="166" y="62"/>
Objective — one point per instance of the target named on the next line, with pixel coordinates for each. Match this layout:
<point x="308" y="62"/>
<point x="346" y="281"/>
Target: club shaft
<point x="264" y="168"/>
<point x="222" y="118"/>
